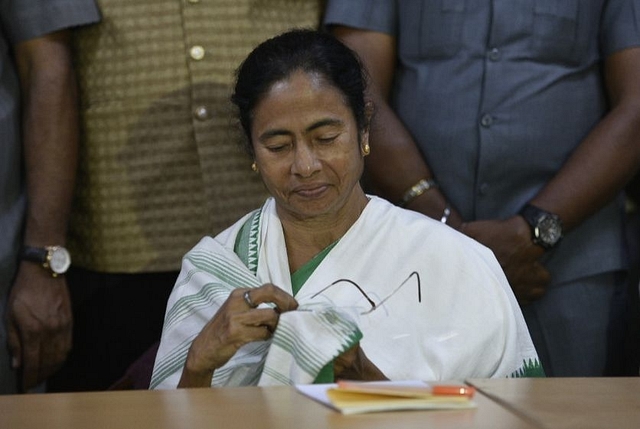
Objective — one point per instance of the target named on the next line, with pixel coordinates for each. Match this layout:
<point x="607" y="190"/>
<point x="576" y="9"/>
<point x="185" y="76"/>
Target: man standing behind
<point x="38" y="152"/>
<point x="499" y="122"/>
<point x="161" y="162"/>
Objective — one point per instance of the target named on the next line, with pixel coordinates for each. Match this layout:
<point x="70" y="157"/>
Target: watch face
<point x="60" y="260"/>
<point x="548" y="230"/>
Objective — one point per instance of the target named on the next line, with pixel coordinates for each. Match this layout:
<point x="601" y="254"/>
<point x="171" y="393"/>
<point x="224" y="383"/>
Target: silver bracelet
<point x="445" y="215"/>
<point x="416" y="190"/>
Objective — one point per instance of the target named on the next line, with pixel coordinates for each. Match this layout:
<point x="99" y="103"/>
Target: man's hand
<point x="39" y="311"/>
<point x="39" y="323"/>
<point x="512" y="245"/>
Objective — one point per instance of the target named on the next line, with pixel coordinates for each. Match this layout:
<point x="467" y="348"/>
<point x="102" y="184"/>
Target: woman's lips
<point x="310" y="191"/>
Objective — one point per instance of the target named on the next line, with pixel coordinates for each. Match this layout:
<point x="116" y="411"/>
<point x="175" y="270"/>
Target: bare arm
<point x="395" y="163"/>
<point x="594" y="174"/>
<point x="608" y="157"/>
<point x="39" y="312"/>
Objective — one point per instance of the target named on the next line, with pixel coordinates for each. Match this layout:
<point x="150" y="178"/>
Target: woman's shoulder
<point x="382" y="212"/>
<point x="389" y="212"/>
<point x="226" y="238"/>
<point x="428" y="233"/>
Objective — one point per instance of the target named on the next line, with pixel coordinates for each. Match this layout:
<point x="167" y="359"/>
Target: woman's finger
<point x="257" y="324"/>
<point x="260" y="333"/>
<point x="259" y="317"/>
<point x="247" y="299"/>
<point x="267" y="293"/>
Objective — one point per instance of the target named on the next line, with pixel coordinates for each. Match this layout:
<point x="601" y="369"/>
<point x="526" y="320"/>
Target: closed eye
<point x="278" y="148"/>
<point x="327" y="139"/>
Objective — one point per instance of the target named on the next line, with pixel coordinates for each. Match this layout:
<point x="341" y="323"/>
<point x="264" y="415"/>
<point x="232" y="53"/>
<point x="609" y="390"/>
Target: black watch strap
<point x="546" y="228"/>
<point x="55" y="259"/>
<point x="530" y="214"/>
<point x="34" y="254"/>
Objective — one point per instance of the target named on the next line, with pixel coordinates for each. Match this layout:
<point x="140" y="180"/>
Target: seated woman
<point x="325" y="282"/>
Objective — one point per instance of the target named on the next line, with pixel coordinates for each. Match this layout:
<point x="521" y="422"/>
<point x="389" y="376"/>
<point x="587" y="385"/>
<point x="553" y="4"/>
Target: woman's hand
<point x="354" y="365"/>
<point x="235" y="324"/>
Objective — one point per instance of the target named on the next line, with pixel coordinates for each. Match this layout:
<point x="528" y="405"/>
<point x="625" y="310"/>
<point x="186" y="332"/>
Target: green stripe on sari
<point x="246" y="247"/>
<point x="530" y="368"/>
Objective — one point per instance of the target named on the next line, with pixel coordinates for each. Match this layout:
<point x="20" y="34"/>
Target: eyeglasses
<point x="370" y="301"/>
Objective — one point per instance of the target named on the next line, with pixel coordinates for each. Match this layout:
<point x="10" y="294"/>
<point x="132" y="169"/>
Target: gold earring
<point x="366" y="149"/>
<point x="254" y="166"/>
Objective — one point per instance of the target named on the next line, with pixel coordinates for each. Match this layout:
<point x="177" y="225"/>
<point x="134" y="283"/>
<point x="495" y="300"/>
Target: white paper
<point x="318" y="392"/>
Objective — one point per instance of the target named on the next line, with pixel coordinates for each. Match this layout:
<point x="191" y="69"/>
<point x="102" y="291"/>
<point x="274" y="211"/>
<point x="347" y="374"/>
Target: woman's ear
<point x="365" y="149"/>
<point x="369" y="109"/>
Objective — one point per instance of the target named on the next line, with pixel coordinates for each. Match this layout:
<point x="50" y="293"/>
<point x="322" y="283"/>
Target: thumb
<point x="15" y="346"/>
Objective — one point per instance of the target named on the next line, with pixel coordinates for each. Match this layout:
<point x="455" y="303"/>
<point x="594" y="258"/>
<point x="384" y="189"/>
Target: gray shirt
<point x="21" y="20"/>
<point x="498" y="94"/>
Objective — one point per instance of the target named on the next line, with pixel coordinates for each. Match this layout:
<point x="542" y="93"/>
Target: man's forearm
<point x="395" y="164"/>
<point x="50" y="136"/>
<point x="608" y="157"/>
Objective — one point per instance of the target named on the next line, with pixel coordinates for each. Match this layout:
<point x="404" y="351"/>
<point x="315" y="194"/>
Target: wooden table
<point x="559" y="403"/>
<point x="227" y="408"/>
<point x="580" y="403"/>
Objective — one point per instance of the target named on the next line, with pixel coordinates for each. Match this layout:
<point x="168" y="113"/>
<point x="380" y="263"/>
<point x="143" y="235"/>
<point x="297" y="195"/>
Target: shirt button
<point x="201" y="113"/>
<point x="484" y="189"/>
<point x="197" y="52"/>
<point x="486" y="120"/>
<point x="494" y="54"/>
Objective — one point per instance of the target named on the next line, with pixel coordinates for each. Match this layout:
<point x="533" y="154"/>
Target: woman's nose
<point x="305" y="162"/>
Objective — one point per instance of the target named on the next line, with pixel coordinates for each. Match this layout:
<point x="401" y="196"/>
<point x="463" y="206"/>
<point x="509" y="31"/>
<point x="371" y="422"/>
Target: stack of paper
<point x="350" y="397"/>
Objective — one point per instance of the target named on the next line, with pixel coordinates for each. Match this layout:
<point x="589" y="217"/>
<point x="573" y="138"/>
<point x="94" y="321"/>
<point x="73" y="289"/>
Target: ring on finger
<point x="247" y="299"/>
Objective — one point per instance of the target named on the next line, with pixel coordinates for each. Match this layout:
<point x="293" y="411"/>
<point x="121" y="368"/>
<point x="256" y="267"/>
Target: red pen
<point x="388" y="388"/>
<point x="453" y="390"/>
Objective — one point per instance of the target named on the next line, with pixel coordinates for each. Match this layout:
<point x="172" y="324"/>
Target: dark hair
<point x="310" y="51"/>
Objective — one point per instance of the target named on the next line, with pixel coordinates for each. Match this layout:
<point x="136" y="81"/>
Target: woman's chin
<point x="309" y="208"/>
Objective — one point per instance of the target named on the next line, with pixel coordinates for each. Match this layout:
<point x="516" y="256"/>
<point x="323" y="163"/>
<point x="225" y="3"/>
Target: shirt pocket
<point x="555" y="30"/>
<point x="431" y="29"/>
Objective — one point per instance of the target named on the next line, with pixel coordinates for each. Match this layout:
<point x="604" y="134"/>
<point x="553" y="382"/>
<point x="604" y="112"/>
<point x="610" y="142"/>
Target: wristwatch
<point x="56" y="259"/>
<point x="546" y="228"/>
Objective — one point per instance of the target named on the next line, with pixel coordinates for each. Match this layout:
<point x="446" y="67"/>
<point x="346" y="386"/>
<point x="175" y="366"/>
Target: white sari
<point x="440" y="306"/>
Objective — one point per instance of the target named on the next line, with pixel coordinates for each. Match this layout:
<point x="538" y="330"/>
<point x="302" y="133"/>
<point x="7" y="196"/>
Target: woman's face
<point x="306" y="147"/>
